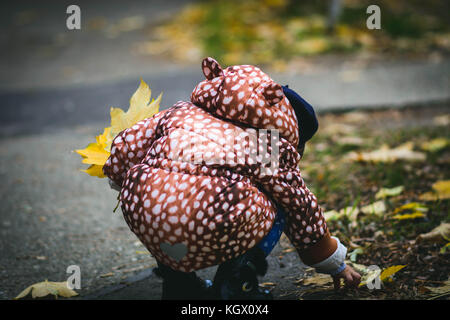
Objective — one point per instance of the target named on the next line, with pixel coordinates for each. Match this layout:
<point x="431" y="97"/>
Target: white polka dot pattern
<point x="220" y="204"/>
<point x="248" y="96"/>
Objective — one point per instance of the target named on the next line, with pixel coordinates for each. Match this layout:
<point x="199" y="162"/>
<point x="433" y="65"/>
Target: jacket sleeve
<point x="305" y="227"/>
<point x="130" y="146"/>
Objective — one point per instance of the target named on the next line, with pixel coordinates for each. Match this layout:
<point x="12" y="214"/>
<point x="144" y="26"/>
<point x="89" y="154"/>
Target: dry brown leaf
<point x="338" y="129"/>
<point x="386" y="154"/>
<point x="318" y="279"/>
<point x="106" y="275"/>
<point x="45" y="288"/>
<point x="439" y="234"/>
<point x="442" y="289"/>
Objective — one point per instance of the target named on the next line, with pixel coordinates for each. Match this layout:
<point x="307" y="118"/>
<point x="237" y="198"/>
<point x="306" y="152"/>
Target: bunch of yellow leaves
<point x="141" y="108"/>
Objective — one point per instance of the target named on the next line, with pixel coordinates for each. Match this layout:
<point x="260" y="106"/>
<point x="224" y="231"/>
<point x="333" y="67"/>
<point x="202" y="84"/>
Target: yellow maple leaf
<point x="105" y="139"/>
<point x="95" y="170"/>
<point x="140" y="108"/>
<point x="416" y="206"/>
<point x="45" y="288"/>
<point x="435" y="145"/>
<point x="98" y="152"/>
<point x="370" y="274"/>
<point x="441" y="191"/>
<point x="389" y="272"/>
<point x="413" y="215"/>
<point x="94" y="153"/>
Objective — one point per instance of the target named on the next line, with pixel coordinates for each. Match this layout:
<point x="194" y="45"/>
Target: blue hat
<point x="306" y="117"/>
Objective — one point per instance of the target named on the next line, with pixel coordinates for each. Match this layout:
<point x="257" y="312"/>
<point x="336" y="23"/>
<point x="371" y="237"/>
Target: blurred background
<point x="369" y="87"/>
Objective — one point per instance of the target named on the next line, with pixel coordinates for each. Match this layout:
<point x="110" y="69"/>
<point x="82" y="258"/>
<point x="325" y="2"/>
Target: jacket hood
<point x="245" y="95"/>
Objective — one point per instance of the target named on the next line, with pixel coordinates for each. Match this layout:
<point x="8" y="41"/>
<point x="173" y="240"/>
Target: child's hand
<point x="350" y="276"/>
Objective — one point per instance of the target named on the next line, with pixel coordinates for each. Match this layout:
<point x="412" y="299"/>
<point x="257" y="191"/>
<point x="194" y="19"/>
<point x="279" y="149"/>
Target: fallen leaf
<point x="106" y="275"/>
<point x="318" y="279"/>
<point x="442" y="289"/>
<point x="415" y="206"/>
<point x="368" y="274"/>
<point x="386" y="154"/>
<point x="389" y="272"/>
<point x="354" y="254"/>
<point x="350" y="141"/>
<point x="442" y="120"/>
<point x="389" y="192"/>
<point x="438" y="234"/>
<point x="350" y="212"/>
<point x="376" y="208"/>
<point x="142" y="252"/>
<point x="332" y="215"/>
<point x="336" y="128"/>
<point x="435" y="145"/>
<point x="45" y="288"/>
<point x="441" y="191"/>
<point x="407" y="216"/>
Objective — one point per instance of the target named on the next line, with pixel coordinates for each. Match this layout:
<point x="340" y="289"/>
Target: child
<point x="196" y="201"/>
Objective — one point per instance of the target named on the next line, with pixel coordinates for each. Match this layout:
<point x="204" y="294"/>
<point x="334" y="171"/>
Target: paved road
<point x="53" y="78"/>
<point x="387" y="85"/>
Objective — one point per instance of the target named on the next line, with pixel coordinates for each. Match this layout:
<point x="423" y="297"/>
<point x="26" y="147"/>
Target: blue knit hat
<point x="306" y="117"/>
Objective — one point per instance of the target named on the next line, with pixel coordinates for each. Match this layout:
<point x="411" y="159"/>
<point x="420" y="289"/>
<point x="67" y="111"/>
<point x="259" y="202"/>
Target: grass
<point x="340" y="183"/>
<point x="276" y="31"/>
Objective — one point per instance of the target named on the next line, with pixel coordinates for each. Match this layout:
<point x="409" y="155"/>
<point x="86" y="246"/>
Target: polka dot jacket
<point x="191" y="189"/>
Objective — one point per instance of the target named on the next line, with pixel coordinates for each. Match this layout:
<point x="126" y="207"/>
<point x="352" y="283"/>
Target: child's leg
<point x="179" y="285"/>
<point x="237" y="278"/>
<point x="271" y="239"/>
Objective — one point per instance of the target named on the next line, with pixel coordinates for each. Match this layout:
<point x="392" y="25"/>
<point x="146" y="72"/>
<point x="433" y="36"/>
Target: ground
<point x="57" y="86"/>
<point x="339" y="183"/>
<point x="71" y="229"/>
